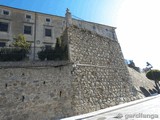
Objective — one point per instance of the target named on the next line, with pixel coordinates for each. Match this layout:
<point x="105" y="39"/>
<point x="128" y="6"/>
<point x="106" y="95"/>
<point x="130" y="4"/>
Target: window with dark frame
<point x="48" y="32"/>
<point x="48" y="19"/>
<point x="48" y="47"/>
<point x="28" y="16"/>
<point x="5" y="12"/>
<point x="27" y="29"/>
<point x="4" y="27"/>
<point x="2" y="44"/>
<point x="94" y="27"/>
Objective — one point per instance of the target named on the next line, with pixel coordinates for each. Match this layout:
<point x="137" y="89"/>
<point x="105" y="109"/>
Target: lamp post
<point x="34" y="49"/>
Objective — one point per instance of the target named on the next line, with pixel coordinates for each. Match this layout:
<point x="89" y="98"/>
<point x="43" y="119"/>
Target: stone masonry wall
<point x="101" y="78"/>
<point x="35" y="93"/>
<point x="95" y="77"/>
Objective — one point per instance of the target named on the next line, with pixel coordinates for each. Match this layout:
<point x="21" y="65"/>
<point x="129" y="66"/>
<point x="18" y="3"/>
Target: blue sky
<point x="101" y="11"/>
<point x="137" y="22"/>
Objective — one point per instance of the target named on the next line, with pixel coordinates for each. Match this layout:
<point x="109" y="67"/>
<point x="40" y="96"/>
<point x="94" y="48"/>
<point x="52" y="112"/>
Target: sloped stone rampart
<point x="101" y="78"/>
<point x="142" y="84"/>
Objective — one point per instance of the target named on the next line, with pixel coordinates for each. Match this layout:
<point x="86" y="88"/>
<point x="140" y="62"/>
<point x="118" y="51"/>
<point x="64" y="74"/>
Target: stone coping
<point x="24" y="64"/>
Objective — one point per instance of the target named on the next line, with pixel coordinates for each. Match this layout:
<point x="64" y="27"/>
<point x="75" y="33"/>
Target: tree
<point x="60" y="52"/>
<point x="21" y="45"/>
<point x="131" y="64"/>
<point x="154" y="75"/>
<point x="20" y="41"/>
<point x="148" y="67"/>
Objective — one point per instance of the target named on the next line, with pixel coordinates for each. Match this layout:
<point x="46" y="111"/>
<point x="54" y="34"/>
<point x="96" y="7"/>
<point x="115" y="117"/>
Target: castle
<point x="94" y="76"/>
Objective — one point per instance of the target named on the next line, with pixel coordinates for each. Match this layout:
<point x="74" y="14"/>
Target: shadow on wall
<point x="147" y="93"/>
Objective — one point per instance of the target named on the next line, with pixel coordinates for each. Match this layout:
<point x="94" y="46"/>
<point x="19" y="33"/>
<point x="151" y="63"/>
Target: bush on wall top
<point x="58" y="53"/>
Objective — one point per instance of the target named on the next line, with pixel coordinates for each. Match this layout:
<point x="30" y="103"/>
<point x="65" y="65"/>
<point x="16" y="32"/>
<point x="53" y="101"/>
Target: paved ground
<point x="145" y="109"/>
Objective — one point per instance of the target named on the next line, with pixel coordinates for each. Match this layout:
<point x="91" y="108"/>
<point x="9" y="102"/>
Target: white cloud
<point x="138" y="25"/>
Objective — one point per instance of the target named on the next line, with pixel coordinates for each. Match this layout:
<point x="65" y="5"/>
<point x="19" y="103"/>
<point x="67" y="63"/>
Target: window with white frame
<point x="4" y="26"/>
<point x="48" y="20"/>
<point x="28" y="16"/>
<point x="6" y="12"/>
<point x="27" y="29"/>
<point x="48" y="32"/>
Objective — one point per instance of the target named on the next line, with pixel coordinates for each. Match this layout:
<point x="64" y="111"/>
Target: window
<point x="48" y="47"/>
<point x="3" y="27"/>
<point x="48" y="19"/>
<point x="2" y="44"/>
<point x="48" y="32"/>
<point x="94" y="27"/>
<point x="28" y="16"/>
<point x="27" y="29"/>
<point x="5" y="12"/>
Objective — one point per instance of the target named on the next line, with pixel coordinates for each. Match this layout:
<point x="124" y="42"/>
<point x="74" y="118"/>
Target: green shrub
<point x="42" y="55"/>
<point x="20" y="41"/>
<point x="12" y="54"/>
<point x="60" y="52"/>
<point x="50" y="54"/>
<point x="47" y="53"/>
<point x="153" y="75"/>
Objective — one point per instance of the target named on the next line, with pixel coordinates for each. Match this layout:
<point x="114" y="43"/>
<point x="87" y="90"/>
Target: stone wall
<point x="101" y="78"/>
<point x="142" y="84"/>
<point x="95" y="77"/>
<point x="35" y="93"/>
<point x="87" y="47"/>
